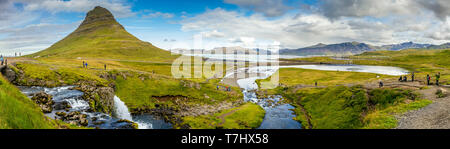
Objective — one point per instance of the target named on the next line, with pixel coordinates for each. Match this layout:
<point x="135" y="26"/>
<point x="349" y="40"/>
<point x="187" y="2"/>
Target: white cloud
<point x="382" y="8"/>
<point x="270" y="8"/>
<point x="159" y="14"/>
<point x="309" y="29"/>
<point x="119" y="8"/>
<point x="213" y="34"/>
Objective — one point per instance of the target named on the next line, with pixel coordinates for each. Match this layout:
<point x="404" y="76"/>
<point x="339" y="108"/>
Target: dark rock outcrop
<point x="101" y="99"/>
<point x="9" y="73"/>
<point x="44" y="101"/>
<point x="74" y="118"/>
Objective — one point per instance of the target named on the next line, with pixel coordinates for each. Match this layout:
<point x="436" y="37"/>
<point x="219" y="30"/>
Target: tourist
<point x="412" y="77"/>
<point x="400" y="79"/>
<point x="84" y="64"/>
<point x="438" y="76"/>
<point x="1" y="59"/>
<point x="217" y="87"/>
<point x="315" y="83"/>
<point x="105" y="66"/>
<point x="428" y="79"/>
<point x="405" y="78"/>
<point x="381" y="84"/>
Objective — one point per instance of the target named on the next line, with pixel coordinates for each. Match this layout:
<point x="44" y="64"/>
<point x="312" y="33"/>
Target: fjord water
<point x="103" y="121"/>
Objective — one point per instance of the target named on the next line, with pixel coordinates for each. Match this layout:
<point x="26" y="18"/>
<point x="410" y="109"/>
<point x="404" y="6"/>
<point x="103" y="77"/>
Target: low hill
<point x="100" y="36"/>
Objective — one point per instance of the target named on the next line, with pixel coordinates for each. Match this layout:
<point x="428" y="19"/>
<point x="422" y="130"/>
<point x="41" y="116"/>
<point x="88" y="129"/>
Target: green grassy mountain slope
<point x="100" y="36"/>
<point x="19" y="112"/>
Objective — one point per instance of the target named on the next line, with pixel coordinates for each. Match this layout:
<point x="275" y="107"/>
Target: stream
<point x="65" y="95"/>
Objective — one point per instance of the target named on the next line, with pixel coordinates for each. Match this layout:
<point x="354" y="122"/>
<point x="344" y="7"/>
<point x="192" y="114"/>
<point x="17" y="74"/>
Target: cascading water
<point x="121" y="111"/>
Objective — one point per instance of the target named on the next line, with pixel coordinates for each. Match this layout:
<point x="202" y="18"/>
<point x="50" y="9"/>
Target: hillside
<point x="100" y="36"/>
<point x="19" y="112"/>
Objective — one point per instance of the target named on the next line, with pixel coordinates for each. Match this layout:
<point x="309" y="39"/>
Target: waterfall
<point x="121" y="110"/>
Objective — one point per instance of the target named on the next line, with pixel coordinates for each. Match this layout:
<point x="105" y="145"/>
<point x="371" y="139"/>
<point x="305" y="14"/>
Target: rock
<point x="84" y="122"/>
<point x="101" y="99"/>
<point x="130" y="125"/>
<point x="44" y="101"/>
<point x="9" y="74"/>
<point x="61" y="114"/>
<point x="62" y="105"/>
<point x="73" y="123"/>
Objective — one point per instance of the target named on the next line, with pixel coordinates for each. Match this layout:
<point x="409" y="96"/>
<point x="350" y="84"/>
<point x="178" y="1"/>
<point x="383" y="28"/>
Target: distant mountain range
<point x="222" y="50"/>
<point x="349" y="48"/>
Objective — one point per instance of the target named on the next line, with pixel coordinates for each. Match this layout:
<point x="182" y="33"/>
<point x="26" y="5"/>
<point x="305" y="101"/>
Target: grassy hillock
<point x="247" y="116"/>
<point x="141" y="91"/>
<point x="351" y="107"/>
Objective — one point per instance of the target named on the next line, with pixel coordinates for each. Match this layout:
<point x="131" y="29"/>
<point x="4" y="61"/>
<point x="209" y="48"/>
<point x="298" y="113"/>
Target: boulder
<point x="44" y="101"/>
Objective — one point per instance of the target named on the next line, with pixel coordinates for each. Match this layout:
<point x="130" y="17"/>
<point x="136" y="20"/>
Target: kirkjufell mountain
<point x="101" y="36"/>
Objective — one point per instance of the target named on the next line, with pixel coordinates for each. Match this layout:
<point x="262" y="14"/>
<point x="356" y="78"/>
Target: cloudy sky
<point x="30" y="25"/>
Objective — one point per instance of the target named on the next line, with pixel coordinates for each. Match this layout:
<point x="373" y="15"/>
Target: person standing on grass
<point x="381" y="84"/>
<point x="84" y="64"/>
<point x="412" y="77"/>
<point x="428" y="79"/>
<point x="315" y="83"/>
<point x="105" y="66"/>
<point x="1" y="59"/>
<point x="438" y="76"/>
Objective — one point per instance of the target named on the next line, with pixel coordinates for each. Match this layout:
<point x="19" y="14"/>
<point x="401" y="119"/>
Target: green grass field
<point x="352" y="107"/>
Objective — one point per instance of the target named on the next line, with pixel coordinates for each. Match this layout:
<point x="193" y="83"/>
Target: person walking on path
<point x="315" y="83"/>
<point x="428" y="79"/>
<point x="105" y="66"/>
<point x="438" y="76"/>
<point x="84" y="64"/>
<point x="412" y="77"/>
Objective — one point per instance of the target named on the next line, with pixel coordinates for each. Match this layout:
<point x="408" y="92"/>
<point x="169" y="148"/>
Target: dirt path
<point x="434" y="116"/>
<point x="222" y="117"/>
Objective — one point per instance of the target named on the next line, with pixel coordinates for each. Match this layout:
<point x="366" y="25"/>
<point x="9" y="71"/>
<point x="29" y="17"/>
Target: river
<point x="279" y="115"/>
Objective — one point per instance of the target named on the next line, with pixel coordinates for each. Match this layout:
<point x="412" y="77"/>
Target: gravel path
<point x="434" y="116"/>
